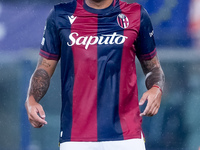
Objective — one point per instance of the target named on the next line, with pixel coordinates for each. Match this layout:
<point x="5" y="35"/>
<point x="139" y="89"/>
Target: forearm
<point x="39" y="84"/>
<point x="153" y="72"/>
<point x="155" y="77"/>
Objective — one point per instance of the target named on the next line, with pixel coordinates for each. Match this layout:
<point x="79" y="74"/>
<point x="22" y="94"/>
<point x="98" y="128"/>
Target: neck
<point x="98" y="4"/>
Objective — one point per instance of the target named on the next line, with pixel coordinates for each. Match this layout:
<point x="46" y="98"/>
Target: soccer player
<point x="97" y="42"/>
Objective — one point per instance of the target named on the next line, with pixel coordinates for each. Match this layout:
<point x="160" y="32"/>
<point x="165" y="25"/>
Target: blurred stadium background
<point x="177" y="34"/>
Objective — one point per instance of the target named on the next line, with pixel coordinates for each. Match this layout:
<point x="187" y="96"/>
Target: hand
<point x="153" y="96"/>
<point x="36" y="114"/>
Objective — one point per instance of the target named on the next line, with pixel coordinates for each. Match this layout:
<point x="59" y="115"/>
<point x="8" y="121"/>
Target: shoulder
<point x="132" y="7"/>
<point x="65" y="7"/>
<point x="135" y="8"/>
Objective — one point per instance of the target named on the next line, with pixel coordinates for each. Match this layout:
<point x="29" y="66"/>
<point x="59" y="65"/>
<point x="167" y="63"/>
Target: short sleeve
<point x="50" y="45"/>
<point x="145" y="43"/>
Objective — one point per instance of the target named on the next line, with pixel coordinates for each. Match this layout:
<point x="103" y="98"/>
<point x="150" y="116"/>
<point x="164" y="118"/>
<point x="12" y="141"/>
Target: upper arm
<point x="47" y="65"/>
<point x="145" y="44"/>
<point x="50" y="46"/>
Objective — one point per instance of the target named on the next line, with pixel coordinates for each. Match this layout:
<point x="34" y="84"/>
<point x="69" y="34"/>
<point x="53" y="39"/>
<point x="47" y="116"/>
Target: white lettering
<point x="84" y="40"/>
<point x="122" y="40"/>
<point x="91" y="43"/>
<point x="43" y="40"/>
<point x="92" y="40"/>
<point x="72" y="39"/>
<point x="112" y="38"/>
<point x="101" y="40"/>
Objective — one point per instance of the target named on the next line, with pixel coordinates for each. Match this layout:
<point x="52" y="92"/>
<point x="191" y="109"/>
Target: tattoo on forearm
<point x="154" y="73"/>
<point x="155" y="77"/>
<point x="39" y="84"/>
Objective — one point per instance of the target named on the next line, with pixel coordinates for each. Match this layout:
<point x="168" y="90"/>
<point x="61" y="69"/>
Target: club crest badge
<point x="122" y="21"/>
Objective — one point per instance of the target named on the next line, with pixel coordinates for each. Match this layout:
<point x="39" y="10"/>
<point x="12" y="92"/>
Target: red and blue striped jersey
<point x="97" y="50"/>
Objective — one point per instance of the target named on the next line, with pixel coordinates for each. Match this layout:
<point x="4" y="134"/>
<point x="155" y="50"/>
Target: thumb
<point x="143" y="99"/>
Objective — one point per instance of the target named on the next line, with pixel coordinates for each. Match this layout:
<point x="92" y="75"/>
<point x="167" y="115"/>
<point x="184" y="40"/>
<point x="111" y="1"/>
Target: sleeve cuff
<point x="148" y="56"/>
<point x="49" y="55"/>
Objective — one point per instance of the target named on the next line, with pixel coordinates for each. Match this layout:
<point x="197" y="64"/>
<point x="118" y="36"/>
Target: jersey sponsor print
<point x="97" y="50"/>
<point x="92" y="40"/>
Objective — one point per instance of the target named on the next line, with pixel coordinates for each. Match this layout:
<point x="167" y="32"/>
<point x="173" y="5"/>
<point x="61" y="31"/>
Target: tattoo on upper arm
<point x="153" y="72"/>
<point x="39" y="84"/>
<point x="43" y="62"/>
<point x="46" y="64"/>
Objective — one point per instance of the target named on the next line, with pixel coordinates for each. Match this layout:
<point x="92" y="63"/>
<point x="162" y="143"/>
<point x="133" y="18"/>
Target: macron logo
<point x="72" y="19"/>
<point x="151" y="34"/>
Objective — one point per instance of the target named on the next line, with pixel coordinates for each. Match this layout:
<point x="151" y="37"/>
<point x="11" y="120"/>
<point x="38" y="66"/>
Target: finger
<point x="155" y="111"/>
<point x="40" y="120"/>
<point x="151" y="112"/>
<point x="41" y="112"/>
<point x="148" y="109"/>
<point x="142" y="114"/>
<point x="37" y="118"/>
<point x="143" y="99"/>
<point x="34" y="124"/>
<point x="37" y="125"/>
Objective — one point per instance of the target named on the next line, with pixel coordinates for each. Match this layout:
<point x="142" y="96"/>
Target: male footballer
<point x="97" y="42"/>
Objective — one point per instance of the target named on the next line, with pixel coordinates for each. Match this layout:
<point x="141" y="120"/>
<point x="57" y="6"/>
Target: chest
<point x="84" y="30"/>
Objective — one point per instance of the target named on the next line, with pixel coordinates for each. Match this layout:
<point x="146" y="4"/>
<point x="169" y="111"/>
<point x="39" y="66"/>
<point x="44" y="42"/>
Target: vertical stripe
<point x="114" y="3"/>
<point x="109" y="60"/>
<point x="67" y="77"/>
<point x="84" y="125"/>
<point x="128" y="103"/>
